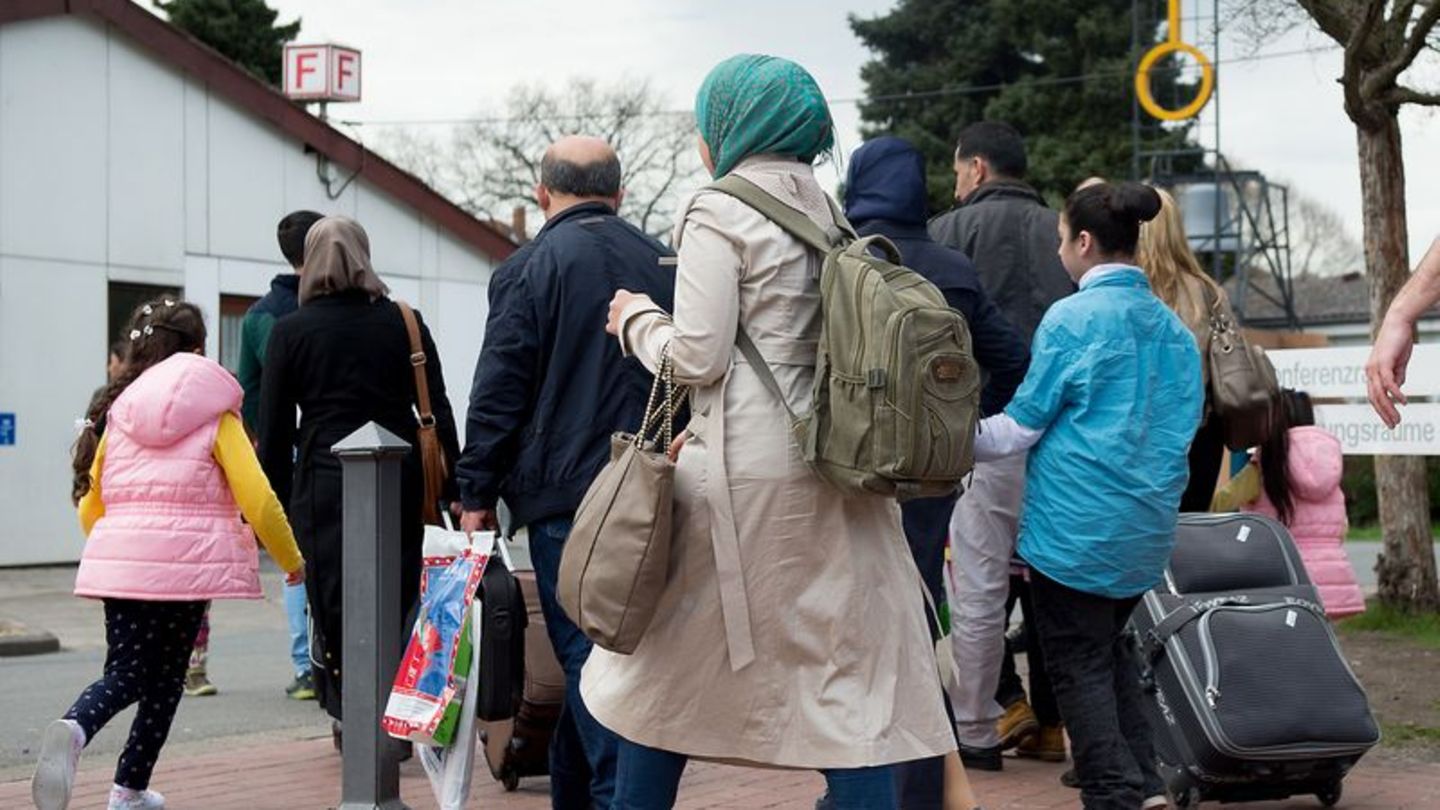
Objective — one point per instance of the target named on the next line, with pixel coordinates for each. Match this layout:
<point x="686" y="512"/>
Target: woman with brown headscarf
<point x="344" y="360"/>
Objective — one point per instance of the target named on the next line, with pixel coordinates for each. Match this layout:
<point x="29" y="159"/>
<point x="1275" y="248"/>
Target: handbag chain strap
<point x="662" y="410"/>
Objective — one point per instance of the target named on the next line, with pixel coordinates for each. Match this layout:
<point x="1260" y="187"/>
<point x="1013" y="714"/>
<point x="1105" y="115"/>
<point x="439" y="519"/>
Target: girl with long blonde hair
<point x="1177" y="279"/>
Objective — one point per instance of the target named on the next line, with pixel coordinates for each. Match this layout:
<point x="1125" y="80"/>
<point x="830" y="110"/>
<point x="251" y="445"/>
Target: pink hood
<point x="1315" y="464"/>
<point x="1318" y="521"/>
<point x="174" y="398"/>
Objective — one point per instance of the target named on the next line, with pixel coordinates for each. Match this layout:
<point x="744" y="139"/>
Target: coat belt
<point x="725" y="541"/>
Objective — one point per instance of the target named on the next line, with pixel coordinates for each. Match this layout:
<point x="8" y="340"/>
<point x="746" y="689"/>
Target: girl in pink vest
<point x="1296" y="480"/>
<point x="164" y="474"/>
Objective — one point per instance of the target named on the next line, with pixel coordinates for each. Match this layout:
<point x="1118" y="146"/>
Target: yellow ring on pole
<point x="1142" y="81"/>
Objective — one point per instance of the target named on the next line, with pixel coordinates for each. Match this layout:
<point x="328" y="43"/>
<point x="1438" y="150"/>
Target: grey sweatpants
<point x="983" y="531"/>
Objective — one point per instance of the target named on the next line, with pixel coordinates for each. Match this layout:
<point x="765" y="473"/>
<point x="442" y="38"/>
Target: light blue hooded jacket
<point x="1115" y="385"/>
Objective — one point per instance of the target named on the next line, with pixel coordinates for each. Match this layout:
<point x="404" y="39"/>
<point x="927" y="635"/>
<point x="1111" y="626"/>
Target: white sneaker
<point x="123" y="798"/>
<point x="1159" y="802"/>
<point x="60" y="748"/>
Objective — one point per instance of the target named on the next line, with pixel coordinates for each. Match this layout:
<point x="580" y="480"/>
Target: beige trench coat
<point x="792" y="628"/>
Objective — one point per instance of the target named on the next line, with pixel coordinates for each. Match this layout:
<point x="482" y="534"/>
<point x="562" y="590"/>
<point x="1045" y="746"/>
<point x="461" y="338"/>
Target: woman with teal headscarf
<point x="791" y="630"/>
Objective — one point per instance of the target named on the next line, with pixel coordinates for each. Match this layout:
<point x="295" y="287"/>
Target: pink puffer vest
<point x="1319" y="523"/>
<point x="171" y="529"/>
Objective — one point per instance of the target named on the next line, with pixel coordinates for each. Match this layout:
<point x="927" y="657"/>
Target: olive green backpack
<point x="897" y="389"/>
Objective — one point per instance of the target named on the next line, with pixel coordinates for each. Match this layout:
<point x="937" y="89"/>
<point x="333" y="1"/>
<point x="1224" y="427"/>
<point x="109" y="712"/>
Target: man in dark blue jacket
<point x="281" y="300"/>
<point x="885" y="194"/>
<point x="549" y="390"/>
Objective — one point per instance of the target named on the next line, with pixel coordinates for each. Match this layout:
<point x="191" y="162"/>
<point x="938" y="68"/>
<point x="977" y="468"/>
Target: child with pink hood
<point x="1295" y="478"/>
<point x="164" y="474"/>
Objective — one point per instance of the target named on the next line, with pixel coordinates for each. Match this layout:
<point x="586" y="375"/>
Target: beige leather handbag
<point x="615" y="560"/>
<point x="1243" y="388"/>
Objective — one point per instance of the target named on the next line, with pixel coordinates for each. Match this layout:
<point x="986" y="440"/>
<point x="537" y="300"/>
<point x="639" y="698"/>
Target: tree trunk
<point x="1406" y="567"/>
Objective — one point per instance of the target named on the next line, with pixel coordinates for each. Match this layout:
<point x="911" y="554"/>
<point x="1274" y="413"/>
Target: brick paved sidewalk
<point x="305" y="775"/>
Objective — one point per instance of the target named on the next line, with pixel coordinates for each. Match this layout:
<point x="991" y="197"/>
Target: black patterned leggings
<point x="148" y="649"/>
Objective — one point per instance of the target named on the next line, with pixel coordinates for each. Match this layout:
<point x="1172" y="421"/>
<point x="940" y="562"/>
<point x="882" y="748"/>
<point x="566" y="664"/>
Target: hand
<point x="622" y="299"/>
<point x="297" y="576"/>
<point x="479" y="520"/>
<point x="674" y="451"/>
<point x="1385" y="370"/>
<point x="456" y="509"/>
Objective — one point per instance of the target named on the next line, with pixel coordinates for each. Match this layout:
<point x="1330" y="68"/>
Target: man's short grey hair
<point x="599" y="178"/>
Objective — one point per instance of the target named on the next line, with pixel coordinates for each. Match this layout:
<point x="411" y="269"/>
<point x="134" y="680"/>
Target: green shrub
<point x="1359" y="486"/>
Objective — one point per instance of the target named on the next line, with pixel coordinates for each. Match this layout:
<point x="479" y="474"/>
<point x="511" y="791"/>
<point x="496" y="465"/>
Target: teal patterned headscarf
<point x="758" y="105"/>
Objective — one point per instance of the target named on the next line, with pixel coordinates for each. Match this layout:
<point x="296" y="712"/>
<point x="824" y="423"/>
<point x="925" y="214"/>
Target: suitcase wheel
<point x="1188" y="799"/>
<point x="510" y="780"/>
<point x="1330" y="796"/>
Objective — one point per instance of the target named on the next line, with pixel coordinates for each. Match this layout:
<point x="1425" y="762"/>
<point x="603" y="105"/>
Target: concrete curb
<point x="19" y="639"/>
<point x="28" y="644"/>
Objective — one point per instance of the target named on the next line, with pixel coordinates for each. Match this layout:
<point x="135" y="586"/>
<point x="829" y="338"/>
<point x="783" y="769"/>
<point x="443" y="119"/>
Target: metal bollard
<point x="370" y="458"/>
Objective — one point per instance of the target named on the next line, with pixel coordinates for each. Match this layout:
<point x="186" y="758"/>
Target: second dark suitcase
<point x="519" y="746"/>
<point x="1249" y="695"/>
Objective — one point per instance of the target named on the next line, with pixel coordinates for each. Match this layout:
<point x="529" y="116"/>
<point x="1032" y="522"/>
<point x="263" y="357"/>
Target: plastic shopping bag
<point x="430" y="685"/>
<point x="449" y="769"/>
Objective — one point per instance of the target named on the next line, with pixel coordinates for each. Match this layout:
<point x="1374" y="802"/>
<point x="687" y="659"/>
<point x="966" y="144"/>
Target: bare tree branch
<point x="1416" y="42"/>
<point x="489" y="168"/>
<point x="1405" y="95"/>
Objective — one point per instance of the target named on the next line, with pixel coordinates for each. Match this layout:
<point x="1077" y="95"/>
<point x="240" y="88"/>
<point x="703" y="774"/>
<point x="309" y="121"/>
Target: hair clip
<point x="147" y="310"/>
<point x="149" y="330"/>
<point x="169" y="303"/>
<point x="84" y="424"/>
<point x="134" y="334"/>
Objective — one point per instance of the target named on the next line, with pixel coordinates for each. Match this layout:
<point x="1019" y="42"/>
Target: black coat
<point x="1006" y="229"/>
<point x="344" y="362"/>
<point x="550" y="386"/>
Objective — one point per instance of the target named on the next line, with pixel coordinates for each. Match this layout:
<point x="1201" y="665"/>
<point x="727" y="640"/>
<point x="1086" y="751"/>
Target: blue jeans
<point x="582" y="752"/>
<point x="297" y="619"/>
<point x="649" y="778"/>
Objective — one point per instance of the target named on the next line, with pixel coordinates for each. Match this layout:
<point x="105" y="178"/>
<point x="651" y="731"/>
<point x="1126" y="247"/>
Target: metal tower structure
<point x="1238" y="222"/>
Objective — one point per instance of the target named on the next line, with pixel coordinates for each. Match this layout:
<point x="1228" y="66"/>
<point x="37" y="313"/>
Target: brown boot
<point x="1047" y="746"/>
<point x="1017" y="725"/>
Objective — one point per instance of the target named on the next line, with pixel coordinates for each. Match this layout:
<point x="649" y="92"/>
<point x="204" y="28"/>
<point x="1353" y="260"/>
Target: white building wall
<point x="116" y="167"/>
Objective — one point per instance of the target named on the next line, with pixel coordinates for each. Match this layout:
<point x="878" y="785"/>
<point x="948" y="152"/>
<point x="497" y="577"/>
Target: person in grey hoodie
<point x="1006" y="229"/>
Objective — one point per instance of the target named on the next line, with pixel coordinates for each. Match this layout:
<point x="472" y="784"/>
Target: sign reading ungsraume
<point x="1339" y="374"/>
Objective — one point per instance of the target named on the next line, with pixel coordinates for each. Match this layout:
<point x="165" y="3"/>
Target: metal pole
<point x="370" y="458"/>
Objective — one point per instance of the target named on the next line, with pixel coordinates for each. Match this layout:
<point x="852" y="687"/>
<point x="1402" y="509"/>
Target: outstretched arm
<point x="1385" y="371"/>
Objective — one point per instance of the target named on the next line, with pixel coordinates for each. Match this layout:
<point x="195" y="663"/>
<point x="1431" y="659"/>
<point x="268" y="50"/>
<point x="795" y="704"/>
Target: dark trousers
<point x="147" y="650"/>
<point x="920" y="784"/>
<point x="1010" y="689"/>
<point x="582" y="752"/>
<point x="1091" y="661"/>
<point x="649" y="779"/>
<point x="1206" y="453"/>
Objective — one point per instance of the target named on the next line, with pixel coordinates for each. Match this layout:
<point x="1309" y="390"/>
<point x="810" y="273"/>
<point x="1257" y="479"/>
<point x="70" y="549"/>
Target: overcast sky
<point x="442" y="59"/>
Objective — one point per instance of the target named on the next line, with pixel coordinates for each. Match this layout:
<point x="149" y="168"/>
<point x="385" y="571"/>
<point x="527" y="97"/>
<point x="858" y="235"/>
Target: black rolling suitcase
<point x="1248" y="694"/>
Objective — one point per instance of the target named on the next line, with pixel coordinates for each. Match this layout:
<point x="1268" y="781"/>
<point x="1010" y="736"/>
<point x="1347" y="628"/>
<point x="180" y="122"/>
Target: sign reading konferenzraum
<point x="1339" y="373"/>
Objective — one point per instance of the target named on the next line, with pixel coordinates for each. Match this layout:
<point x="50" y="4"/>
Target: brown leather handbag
<point x="432" y="455"/>
<point x="1243" y="388"/>
<point x="614" y="565"/>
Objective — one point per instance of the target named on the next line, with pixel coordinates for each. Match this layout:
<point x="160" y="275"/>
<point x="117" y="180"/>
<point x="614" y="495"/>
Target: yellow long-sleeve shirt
<point x="248" y="484"/>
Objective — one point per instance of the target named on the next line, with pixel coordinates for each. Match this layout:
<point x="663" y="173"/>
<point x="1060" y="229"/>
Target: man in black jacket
<point x="549" y="390"/>
<point x="1004" y="226"/>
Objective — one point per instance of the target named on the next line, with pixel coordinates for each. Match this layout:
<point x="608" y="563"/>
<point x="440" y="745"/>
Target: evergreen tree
<point x="962" y="61"/>
<point x="243" y="30"/>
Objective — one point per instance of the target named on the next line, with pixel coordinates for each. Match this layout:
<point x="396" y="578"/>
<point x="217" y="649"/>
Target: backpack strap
<point x="791" y="220"/>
